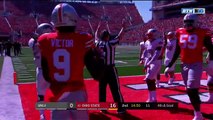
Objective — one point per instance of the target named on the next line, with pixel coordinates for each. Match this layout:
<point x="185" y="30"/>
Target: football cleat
<point x="151" y="101"/>
<point x="42" y="117"/>
<point x="157" y="83"/>
<point x="198" y="116"/>
<point x="171" y="80"/>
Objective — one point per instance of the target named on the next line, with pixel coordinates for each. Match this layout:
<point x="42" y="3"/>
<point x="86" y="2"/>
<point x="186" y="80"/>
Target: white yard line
<point x="11" y="106"/>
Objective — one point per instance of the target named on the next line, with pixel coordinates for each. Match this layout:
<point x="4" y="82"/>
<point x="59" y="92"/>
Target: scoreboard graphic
<point x="104" y="106"/>
<point x="193" y="10"/>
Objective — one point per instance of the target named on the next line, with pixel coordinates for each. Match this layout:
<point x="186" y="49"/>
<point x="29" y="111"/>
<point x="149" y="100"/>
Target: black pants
<point x="111" y="78"/>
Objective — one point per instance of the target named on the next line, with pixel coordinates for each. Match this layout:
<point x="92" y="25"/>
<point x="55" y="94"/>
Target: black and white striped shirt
<point x="108" y="50"/>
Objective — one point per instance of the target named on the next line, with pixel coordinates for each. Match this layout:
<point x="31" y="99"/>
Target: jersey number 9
<point x="63" y="64"/>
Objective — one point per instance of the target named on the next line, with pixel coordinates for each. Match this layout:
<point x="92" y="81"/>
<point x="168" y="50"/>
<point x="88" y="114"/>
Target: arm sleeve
<point x="208" y="44"/>
<point x="175" y="56"/>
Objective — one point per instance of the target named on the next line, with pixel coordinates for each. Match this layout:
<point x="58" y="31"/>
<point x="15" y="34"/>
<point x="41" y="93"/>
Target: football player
<point x="63" y="54"/>
<point x="170" y="49"/>
<point x="190" y="42"/>
<point x="41" y="84"/>
<point x="210" y="82"/>
<point x="154" y="61"/>
<point x="143" y="58"/>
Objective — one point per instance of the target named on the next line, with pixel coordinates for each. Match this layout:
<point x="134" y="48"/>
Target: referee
<point x="107" y="46"/>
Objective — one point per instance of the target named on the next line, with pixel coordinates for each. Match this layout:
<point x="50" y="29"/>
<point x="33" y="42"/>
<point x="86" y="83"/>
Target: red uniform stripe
<point x="60" y="13"/>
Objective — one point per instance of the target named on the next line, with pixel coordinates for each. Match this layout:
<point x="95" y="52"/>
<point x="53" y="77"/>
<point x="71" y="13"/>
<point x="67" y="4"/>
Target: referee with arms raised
<point x="107" y="45"/>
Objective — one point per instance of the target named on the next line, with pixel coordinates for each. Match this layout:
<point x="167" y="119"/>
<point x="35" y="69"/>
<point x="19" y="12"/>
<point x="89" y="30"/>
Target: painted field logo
<point x="178" y="97"/>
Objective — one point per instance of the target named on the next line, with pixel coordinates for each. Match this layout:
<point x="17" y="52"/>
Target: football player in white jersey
<point x="41" y="83"/>
<point x="170" y="49"/>
<point x="154" y="61"/>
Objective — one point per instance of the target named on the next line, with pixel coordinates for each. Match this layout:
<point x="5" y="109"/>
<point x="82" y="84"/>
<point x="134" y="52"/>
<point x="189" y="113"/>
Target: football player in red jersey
<point x="191" y="40"/>
<point x="62" y="62"/>
<point x="41" y="84"/>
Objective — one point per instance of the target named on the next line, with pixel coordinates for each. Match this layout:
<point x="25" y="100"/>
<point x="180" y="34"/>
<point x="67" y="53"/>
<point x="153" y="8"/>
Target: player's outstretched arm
<point x="122" y="30"/>
<point x="96" y="31"/>
<point x="107" y="26"/>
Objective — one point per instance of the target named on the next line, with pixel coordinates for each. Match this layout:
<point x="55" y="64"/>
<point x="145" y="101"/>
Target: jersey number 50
<point x="188" y="41"/>
<point x="64" y="64"/>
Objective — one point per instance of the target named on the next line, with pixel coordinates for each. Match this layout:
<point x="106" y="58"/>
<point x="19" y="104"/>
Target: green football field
<point x="126" y="62"/>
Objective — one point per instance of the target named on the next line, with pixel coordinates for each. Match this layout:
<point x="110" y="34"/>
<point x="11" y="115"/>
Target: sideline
<point x="11" y="106"/>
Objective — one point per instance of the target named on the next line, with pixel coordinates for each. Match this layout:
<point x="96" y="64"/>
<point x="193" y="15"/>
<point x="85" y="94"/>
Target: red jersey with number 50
<point x="64" y="53"/>
<point x="191" y="44"/>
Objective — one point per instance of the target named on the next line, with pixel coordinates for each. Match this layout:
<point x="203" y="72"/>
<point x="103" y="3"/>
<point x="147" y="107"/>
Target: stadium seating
<point x="22" y="17"/>
<point x="172" y="24"/>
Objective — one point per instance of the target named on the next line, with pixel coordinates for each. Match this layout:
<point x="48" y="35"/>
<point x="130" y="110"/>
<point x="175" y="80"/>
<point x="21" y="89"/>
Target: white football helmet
<point x="44" y="28"/>
<point x="170" y="35"/>
<point x="152" y="34"/>
<point x="64" y="15"/>
<point x="190" y="21"/>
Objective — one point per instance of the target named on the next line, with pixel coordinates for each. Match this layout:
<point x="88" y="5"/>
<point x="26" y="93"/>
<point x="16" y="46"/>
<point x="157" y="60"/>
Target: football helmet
<point x="170" y="35"/>
<point x="44" y="28"/>
<point x="64" y="15"/>
<point x="190" y="21"/>
<point x="152" y="34"/>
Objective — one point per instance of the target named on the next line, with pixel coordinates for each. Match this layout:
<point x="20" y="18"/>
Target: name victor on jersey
<point x="61" y="43"/>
